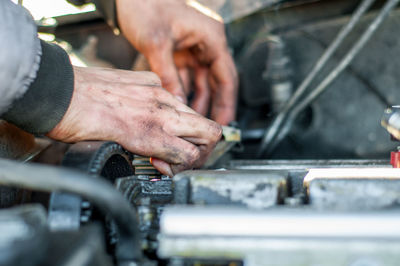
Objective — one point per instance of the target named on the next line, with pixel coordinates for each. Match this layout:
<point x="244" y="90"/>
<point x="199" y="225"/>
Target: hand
<point x="132" y="109"/>
<point x="180" y="42"/>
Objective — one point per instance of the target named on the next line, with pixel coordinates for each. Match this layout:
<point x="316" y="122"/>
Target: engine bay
<point x="307" y="175"/>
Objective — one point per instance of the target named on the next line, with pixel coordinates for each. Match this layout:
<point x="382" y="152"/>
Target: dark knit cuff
<point x="43" y="106"/>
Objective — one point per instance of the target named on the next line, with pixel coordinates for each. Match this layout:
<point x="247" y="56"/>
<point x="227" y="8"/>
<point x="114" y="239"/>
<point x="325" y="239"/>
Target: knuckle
<point x="192" y="155"/>
<point x="152" y="93"/>
<point x="166" y="80"/>
<point x="216" y="131"/>
<point x="170" y="82"/>
<point x="159" y="93"/>
<point x="154" y="77"/>
<point x="163" y="97"/>
<point x="220" y="27"/>
<point x="156" y="38"/>
<point x="157" y="46"/>
<point x="215" y="24"/>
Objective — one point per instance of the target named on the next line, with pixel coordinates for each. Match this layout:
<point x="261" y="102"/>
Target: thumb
<point x="162" y="63"/>
<point x="162" y="166"/>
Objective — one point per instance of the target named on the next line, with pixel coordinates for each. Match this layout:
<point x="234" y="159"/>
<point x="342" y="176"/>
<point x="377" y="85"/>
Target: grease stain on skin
<point x="149" y="126"/>
<point x="106" y="92"/>
<point x="163" y="106"/>
<point x="166" y="106"/>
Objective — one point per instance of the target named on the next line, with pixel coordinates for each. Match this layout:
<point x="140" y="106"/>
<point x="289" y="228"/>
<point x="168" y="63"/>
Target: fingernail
<point x="169" y="170"/>
<point x="180" y="98"/>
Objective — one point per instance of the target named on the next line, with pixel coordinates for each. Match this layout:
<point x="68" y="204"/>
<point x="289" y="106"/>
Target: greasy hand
<point x="186" y="49"/>
<point x="132" y="109"/>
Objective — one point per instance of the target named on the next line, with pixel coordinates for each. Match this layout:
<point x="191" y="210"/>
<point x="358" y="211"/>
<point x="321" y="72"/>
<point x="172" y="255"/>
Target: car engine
<point x="307" y="175"/>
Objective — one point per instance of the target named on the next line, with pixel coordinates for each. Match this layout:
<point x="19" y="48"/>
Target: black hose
<point x="348" y="58"/>
<point x="272" y="131"/>
<point x="103" y="195"/>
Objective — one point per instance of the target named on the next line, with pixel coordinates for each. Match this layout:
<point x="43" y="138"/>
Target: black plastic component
<point x="96" y="158"/>
<point x="103" y="195"/>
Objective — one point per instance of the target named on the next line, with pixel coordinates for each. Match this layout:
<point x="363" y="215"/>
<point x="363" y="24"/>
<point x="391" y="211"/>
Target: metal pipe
<point x="285" y="222"/>
<point x="98" y="191"/>
<point x="261" y="237"/>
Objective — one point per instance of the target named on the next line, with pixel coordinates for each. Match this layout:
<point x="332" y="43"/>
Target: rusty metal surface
<point x="252" y="189"/>
<point x="148" y="195"/>
<point x="353" y="189"/>
<point x="136" y="188"/>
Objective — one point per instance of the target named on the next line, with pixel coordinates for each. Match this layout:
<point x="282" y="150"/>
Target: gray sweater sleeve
<point x="37" y="78"/>
<point x="20" y="53"/>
